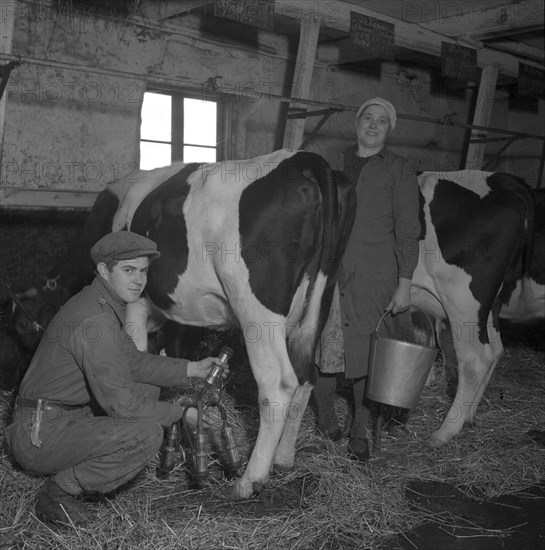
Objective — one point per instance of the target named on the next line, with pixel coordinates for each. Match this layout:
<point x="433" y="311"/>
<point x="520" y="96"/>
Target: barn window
<point x="177" y="127"/>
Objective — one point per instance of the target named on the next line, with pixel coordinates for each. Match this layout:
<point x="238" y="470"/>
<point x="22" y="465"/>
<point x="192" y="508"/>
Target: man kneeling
<point x="88" y="413"/>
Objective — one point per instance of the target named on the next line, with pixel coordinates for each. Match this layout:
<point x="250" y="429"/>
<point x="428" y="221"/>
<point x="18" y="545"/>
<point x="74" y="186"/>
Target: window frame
<point x="223" y="123"/>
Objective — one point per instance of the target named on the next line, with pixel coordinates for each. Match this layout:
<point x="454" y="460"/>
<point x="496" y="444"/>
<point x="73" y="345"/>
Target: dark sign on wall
<point x="531" y="81"/>
<point x="458" y="62"/>
<point x="259" y="13"/>
<point x="374" y="36"/>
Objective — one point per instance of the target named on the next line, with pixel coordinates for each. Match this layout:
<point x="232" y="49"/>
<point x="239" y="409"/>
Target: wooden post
<point x="483" y="110"/>
<point x="8" y="9"/>
<point x="306" y="54"/>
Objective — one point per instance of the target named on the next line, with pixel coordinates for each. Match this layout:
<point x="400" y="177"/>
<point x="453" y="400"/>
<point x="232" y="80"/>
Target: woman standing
<point x="379" y="261"/>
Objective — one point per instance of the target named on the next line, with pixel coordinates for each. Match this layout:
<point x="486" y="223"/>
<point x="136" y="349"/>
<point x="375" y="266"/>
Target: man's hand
<point x="191" y="418"/>
<point x="202" y="368"/>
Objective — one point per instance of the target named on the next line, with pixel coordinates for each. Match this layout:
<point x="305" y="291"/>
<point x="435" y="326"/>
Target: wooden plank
<point x="408" y="35"/>
<point x="520" y="49"/>
<point x="483" y="110"/>
<point x="17" y="198"/>
<point x="304" y="67"/>
<point x="8" y="9"/>
<point x="161" y="11"/>
<point x="487" y="21"/>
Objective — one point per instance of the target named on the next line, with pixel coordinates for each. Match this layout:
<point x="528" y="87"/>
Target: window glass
<point x="156" y="117"/>
<point x="199" y="154"/>
<point x="154" y="155"/>
<point x="200" y="122"/>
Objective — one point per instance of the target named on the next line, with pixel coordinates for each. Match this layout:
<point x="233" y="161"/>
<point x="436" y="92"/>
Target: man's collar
<point x="117" y="304"/>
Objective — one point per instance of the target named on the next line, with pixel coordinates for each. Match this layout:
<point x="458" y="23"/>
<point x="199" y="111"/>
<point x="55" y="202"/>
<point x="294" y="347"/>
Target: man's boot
<point x="324" y="397"/>
<point x="55" y="505"/>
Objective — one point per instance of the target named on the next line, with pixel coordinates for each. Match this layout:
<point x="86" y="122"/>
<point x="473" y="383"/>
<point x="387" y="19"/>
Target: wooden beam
<point x="18" y="198"/>
<point x="488" y="21"/>
<point x="483" y="110"/>
<point x="304" y="67"/>
<point x="518" y="48"/>
<point x="161" y="11"/>
<point x="407" y="35"/>
<point x="8" y="9"/>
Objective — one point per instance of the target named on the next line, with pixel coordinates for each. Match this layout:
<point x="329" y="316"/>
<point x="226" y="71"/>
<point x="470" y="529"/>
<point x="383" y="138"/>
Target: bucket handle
<point x="430" y="339"/>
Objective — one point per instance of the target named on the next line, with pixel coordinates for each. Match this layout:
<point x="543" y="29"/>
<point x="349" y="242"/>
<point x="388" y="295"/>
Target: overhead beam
<point x="407" y="35"/>
<point x="160" y="11"/>
<point x="519" y="49"/>
<point x="488" y="21"/>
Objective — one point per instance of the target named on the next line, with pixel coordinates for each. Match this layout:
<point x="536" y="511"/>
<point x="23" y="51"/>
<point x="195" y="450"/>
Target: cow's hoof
<point x="258" y="487"/>
<point x="240" y="491"/>
<point x="436" y="441"/>
<point x="282" y="468"/>
<point x="358" y="449"/>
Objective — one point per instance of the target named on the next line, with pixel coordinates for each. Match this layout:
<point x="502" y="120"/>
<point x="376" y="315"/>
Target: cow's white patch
<point x="527" y="303"/>
<point x="474" y="180"/>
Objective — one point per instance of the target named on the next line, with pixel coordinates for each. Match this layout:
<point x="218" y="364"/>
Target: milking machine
<point x="196" y="437"/>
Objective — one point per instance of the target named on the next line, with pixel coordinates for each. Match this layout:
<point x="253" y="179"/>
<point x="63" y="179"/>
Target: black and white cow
<point x="254" y="243"/>
<point x="476" y="227"/>
<point x="23" y="315"/>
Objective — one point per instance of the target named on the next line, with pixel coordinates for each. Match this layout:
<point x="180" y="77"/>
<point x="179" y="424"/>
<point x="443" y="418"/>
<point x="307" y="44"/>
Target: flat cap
<point x="390" y="109"/>
<point x="123" y="245"/>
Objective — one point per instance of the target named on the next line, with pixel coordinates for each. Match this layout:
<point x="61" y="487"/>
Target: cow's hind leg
<point x="497" y="351"/>
<point x="284" y="457"/>
<point x="277" y="385"/>
<point x="475" y="363"/>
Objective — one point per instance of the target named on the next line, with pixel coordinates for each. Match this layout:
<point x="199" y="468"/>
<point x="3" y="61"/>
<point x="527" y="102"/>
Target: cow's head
<point x="24" y="316"/>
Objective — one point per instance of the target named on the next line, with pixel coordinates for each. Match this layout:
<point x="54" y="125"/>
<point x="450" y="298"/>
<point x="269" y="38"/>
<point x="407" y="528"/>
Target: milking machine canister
<point x="196" y="437"/>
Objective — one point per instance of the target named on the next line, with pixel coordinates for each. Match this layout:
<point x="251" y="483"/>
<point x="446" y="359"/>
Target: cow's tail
<point x="522" y="191"/>
<point x="338" y="201"/>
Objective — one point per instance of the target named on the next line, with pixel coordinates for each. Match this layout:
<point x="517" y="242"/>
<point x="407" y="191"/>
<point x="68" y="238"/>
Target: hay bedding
<point x="327" y="501"/>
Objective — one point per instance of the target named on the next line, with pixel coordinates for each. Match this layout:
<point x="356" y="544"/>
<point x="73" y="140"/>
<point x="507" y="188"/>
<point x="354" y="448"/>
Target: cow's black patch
<point x="160" y="217"/>
<point x="280" y="228"/>
<point x="480" y="235"/>
<point x="421" y="216"/>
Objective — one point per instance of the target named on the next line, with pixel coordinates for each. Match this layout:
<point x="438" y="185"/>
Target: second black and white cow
<point x="477" y="226"/>
<point x="254" y="243"/>
<point x="526" y="304"/>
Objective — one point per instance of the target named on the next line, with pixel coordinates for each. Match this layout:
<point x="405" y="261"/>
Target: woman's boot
<point x="358" y="445"/>
<point x="324" y="398"/>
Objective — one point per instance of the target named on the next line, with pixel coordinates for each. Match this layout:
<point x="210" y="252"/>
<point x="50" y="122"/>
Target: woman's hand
<point x="401" y="298"/>
<point x="202" y="368"/>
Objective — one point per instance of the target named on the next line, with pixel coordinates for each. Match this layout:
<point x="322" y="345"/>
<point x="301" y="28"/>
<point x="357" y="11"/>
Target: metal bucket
<point x="398" y="370"/>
